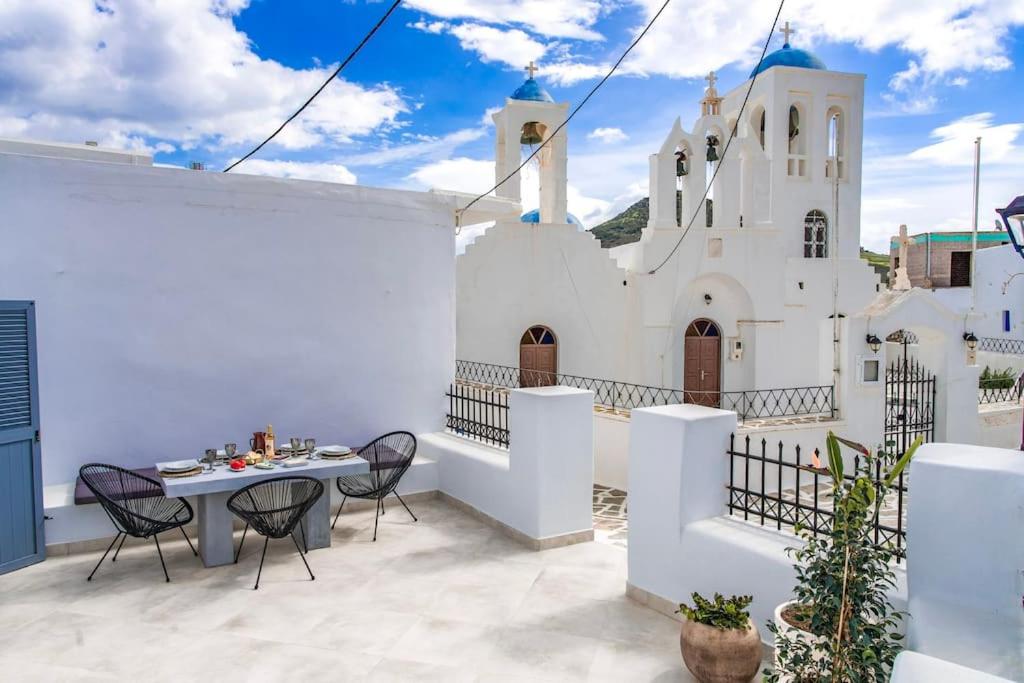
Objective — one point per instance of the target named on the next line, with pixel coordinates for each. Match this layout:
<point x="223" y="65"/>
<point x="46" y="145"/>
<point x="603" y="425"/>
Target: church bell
<point x="531" y="134"/>
<point x="681" y="169"/>
<point x="712" y="148"/>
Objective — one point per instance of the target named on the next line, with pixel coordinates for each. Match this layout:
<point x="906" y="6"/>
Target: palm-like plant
<point x="842" y="581"/>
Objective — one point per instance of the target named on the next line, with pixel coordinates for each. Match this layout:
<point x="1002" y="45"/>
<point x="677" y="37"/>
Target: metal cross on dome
<point x="711" y="78"/>
<point x="786" y="32"/>
<point x="531" y="69"/>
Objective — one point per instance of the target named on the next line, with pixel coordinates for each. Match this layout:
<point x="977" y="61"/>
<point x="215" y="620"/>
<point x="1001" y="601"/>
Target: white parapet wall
<point x="541" y="488"/>
<point x="965" y="541"/>
<point x="179" y="310"/>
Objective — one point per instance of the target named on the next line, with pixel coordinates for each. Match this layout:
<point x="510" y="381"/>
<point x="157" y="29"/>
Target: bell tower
<point x="529" y="117"/>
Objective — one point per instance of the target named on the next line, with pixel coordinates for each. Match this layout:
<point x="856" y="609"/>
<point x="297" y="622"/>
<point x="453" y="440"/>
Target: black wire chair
<point x="274" y="508"/>
<point x="389" y="457"/>
<point x="137" y="506"/>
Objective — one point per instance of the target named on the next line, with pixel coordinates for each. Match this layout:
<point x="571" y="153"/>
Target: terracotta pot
<point x="716" y="655"/>
<point x="793" y="633"/>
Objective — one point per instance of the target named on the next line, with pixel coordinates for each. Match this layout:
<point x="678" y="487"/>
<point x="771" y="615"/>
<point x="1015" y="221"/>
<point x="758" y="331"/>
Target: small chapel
<point x="748" y="273"/>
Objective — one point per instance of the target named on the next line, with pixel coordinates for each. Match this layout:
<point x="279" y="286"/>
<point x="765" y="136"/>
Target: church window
<point x="815" y="235"/>
<point x="836" y="143"/>
<point x="757" y="121"/>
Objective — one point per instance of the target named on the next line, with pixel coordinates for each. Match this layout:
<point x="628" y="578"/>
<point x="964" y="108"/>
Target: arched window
<point x="797" y="162"/>
<point x="684" y="162"/>
<point x="836" y="143"/>
<point x="815" y="235"/>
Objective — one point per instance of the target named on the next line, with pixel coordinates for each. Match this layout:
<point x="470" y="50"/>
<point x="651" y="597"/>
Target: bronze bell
<point x="681" y="169"/>
<point x="531" y="134"/>
<point x="712" y="148"/>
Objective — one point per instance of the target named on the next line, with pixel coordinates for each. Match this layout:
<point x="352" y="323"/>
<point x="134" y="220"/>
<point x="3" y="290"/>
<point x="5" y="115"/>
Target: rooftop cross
<point x="786" y="32"/>
<point x="531" y="69"/>
<point x="711" y="78"/>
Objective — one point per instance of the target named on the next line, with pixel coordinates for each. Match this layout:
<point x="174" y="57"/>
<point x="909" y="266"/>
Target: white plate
<point x="179" y="466"/>
<point x="335" y="450"/>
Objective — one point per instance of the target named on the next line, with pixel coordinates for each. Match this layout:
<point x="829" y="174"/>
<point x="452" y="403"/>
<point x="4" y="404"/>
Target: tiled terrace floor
<point x="447" y="598"/>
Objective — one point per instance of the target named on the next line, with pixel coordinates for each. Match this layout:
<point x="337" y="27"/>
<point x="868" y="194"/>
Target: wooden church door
<point x="538" y="357"/>
<point x="702" y="363"/>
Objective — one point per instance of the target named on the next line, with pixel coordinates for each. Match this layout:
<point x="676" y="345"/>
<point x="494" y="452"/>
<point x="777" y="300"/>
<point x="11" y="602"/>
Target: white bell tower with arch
<point x="531" y="114"/>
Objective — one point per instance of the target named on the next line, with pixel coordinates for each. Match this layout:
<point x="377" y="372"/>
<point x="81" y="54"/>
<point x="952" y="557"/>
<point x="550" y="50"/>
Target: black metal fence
<point x="785" y="490"/>
<point x="999" y="390"/>
<point x="1001" y="345"/>
<point x="478" y="413"/>
<point x="752" y="404"/>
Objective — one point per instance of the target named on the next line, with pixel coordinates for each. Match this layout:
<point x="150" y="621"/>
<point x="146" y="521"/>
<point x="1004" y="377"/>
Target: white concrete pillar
<point x="965" y="550"/>
<point x="678" y="472"/>
<point x="551" y="460"/>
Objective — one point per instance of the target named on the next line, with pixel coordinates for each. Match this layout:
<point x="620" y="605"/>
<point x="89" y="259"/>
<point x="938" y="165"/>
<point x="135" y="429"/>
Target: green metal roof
<point x="924" y="238"/>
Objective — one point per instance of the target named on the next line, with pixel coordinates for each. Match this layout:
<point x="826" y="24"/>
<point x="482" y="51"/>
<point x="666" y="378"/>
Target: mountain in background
<point x="627" y="226"/>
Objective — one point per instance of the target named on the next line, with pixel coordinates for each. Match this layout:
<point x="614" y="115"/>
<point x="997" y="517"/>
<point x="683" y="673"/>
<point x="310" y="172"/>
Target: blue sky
<point x="206" y="79"/>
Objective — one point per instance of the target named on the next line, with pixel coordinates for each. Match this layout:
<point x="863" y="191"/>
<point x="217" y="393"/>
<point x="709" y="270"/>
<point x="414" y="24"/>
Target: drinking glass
<point x="211" y="457"/>
<point x="296" y="444"/>
<point x="311" y="447"/>
<point x="230" y="450"/>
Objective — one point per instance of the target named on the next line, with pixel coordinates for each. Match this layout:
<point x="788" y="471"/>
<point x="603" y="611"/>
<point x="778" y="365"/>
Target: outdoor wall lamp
<point x="970" y="340"/>
<point x="874" y="343"/>
<point x="707" y="299"/>
<point x="1014" y="212"/>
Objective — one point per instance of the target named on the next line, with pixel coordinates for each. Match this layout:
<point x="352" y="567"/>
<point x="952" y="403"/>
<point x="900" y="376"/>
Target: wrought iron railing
<point x="785" y="492"/>
<point x="478" y="413"/>
<point x="751" y="404"/>
<point x="999" y="390"/>
<point x="1001" y="345"/>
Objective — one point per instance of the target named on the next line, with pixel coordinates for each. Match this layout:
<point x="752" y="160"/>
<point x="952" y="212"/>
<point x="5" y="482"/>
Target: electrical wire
<point x="319" y="90"/>
<point x="459" y="212"/>
<point x="728" y="143"/>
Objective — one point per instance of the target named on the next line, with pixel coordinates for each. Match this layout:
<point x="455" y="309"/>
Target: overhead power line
<point x="728" y="143"/>
<point x="562" y="125"/>
<point x="319" y="90"/>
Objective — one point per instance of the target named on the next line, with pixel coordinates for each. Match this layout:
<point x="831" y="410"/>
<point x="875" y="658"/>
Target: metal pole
<point x="974" y="221"/>
<point x="834" y="161"/>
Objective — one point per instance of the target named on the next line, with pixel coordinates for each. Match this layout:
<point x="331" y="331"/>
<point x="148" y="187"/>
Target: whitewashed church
<point x="764" y="290"/>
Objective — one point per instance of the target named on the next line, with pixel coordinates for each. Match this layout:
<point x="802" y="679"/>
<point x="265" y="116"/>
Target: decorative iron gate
<point x="909" y="403"/>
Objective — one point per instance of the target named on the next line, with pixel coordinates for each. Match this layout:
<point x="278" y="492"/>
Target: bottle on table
<point x="268" y="453"/>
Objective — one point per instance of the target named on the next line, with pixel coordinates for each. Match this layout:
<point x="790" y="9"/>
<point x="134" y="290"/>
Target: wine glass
<point x="311" y="448"/>
<point x="211" y="457"/>
<point x="230" y="449"/>
<point x="296" y="444"/>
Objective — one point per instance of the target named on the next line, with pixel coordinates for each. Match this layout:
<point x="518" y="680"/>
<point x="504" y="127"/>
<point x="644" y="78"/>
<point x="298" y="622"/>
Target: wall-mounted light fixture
<point x="874" y="343"/>
<point x="707" y="299"/>
<point x="970" y="340"/>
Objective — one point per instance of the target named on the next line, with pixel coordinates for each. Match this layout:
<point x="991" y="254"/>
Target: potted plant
<point x="842" y="627"/>
<point x="719" y="642"/>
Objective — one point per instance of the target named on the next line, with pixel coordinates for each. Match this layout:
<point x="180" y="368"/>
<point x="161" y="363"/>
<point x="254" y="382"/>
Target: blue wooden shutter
<point x="21" y="487"/>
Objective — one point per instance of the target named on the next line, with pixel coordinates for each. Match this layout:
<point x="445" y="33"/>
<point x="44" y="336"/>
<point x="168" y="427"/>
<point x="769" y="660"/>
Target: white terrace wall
<point x="178" y="310"/>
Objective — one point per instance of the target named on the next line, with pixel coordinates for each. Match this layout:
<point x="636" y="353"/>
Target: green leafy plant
<point x="722" y="612"/>
<point x="997" y="379"/>
<point x="842" y="581"/>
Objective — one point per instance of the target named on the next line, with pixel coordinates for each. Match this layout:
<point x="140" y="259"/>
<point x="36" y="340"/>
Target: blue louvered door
<point x="21" y="484"/>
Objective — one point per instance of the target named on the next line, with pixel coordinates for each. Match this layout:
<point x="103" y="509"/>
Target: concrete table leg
<point x="317" y="522"/>
<point x="216" y="544"/>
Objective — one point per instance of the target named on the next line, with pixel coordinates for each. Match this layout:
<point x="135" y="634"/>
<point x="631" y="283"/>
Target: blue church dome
<point x="532" y="92"/>
<point x="534" y="217"/>
<point x="789" y="56"/>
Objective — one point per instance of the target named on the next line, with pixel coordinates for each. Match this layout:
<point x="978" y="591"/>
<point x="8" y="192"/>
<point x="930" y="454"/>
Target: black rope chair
<point x="273" y="508"/>
<point x="137" y="506"/>
<point x="389" y="457"/>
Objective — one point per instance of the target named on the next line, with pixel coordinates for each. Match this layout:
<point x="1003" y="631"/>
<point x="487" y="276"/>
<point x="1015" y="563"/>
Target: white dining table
<point x="216" y="522"/>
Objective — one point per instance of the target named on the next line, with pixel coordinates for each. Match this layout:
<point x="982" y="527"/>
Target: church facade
<point x="741" y="299"/>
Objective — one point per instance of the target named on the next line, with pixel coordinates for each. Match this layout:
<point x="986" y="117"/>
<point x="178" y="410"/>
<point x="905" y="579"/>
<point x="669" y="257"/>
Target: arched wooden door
<point x="538" y="357"/>
<point x="702" y="363"/>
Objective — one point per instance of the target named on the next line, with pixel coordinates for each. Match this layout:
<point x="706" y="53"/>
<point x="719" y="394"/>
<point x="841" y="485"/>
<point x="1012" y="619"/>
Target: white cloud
<point x="429" y="147"/>
<point x="956" y="141"/>
<point x="607" y="135"/>
<point x="179" y="72"/>
<point x="568" y="73"/>
<point x="512" y="47"/>
<point x="305" y="170"/>
<point x="561" y="19"/>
